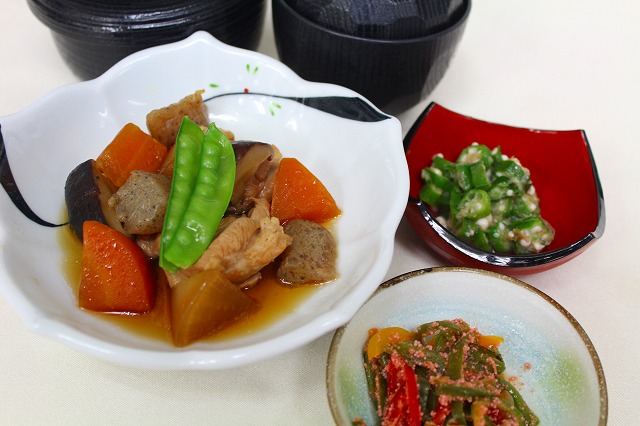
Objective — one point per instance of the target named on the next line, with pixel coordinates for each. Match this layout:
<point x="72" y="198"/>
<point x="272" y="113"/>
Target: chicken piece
<point x="263" y="248"/>
<point x="150" y="244"/>
<point x="311" y="257"/>
<point x="141" y="202"/>
<point x="242" y="249"/>
<point x="164" y="123"/>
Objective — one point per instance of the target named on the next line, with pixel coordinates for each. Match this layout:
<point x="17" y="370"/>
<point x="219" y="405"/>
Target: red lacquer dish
<point x="563" y="171"/>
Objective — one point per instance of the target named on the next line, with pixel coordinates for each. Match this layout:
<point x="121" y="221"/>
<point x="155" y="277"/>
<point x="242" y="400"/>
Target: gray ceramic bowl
<point x="547" y="353"/>
<point x="393" y="73"/>
<point x="93" y="35"/>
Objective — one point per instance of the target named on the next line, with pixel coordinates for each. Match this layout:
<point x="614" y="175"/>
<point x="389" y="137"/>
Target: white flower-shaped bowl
<point x="352" y="147"/>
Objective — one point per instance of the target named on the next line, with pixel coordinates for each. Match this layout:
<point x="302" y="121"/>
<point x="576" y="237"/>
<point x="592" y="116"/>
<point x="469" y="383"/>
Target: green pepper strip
<point x="418" y="355"/>
<point x="486" y="358"/>
<point x="457" y="416"/>
<point x="375" y="380"/>
<point x="530" y="418"/>
<point x="479" y="389"/>
<point x="207" y="202"/>
<point x="430" y="327"/>
<point x="455" y="362"/>
<point x="424" y="387"/>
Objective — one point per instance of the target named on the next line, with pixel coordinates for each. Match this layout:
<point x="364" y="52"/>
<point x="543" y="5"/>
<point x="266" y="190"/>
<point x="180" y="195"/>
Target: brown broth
<point x="277" y="300"/>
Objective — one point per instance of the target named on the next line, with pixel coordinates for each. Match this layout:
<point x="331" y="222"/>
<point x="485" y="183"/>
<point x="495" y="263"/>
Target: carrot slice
<point x="131" y="149"/>
<point x="116" y="274"/>
<point x="299" y="194"/>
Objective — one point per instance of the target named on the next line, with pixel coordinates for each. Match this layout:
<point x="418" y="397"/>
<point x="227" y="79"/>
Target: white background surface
<point x="546" y="64"/>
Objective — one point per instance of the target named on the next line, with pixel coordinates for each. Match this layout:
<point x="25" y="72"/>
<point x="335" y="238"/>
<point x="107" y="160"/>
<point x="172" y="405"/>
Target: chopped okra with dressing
<point x="488" y="200"/>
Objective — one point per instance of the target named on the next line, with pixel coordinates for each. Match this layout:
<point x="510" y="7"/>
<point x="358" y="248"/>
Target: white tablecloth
<point x="572" y="64"/>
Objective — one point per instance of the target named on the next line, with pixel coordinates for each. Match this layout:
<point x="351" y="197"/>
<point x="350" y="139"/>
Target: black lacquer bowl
<point x="93" y="35"/>
<point x="393" y="63"/>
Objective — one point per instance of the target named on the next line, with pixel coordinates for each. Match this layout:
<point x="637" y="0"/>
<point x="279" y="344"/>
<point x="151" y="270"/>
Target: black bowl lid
<point x="382" y="19"/>
<point x="123" y="19"/>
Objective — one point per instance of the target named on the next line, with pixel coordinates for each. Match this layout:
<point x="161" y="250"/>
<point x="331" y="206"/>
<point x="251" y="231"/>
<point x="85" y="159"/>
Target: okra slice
<point x="479" y="177"/>
<point x="496" y="154"/>
<point x="532" y="234"/>
<point x="445" y="166"/>
<point x="481" y="240"/>
<point x="501" y="208"/>
<point x="512" y="170"/>
<point x="462" y="176"/>
<point x="503" y="187"/>
<point x="467" y="230"/>
<point x="455" y="197"/>
<point x="525" y="206"/>
<point x="498" y="237"/>
<point x="474" y="153"/>
<point x="430" y="193"/>
<point x="436" y="176"/>
<point x="475" y="204"/>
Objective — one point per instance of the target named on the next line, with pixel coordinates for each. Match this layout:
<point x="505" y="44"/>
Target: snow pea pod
<point x="185" y="173"/>
<point x="207" y="201"/>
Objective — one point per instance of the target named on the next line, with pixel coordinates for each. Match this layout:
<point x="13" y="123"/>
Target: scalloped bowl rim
<point x="343" y="304"/>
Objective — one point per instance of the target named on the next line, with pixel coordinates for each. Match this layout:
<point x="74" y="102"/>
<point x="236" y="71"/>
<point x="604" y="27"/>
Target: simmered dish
<point x="488" y="200"/>
<point x="443" y="373"/>
<point x="186" y="206"/>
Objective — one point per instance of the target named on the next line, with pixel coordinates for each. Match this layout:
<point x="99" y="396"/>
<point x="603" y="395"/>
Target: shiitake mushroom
<point x="87" y="194"/>
<point x="256" y="163"/>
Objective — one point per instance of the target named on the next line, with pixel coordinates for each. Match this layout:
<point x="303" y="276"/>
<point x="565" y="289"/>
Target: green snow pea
<point x="196" y="203"/>
<point x="185" y="172"/>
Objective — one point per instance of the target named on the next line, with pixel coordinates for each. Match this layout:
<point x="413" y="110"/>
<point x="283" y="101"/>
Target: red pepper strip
<point x="495" y="415"/>
<point x="440" y="413"/>
<point x="403" y="403"/>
